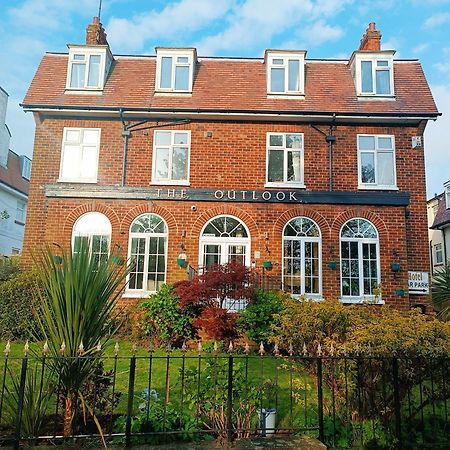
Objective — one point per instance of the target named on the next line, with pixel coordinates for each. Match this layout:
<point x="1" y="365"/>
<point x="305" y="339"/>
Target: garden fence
<point x="345" y="400"/>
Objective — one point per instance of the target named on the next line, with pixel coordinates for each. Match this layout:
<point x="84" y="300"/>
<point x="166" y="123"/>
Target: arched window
<point x="360" y="261"/>
<point x="302" y="261"/>
<point x="147" y="252"/>
<point x="95" y="228"/>
<point x="224" y="239"/>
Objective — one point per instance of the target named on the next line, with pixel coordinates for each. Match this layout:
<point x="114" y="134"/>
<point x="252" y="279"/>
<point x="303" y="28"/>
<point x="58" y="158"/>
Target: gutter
<point x="14" y="191"/>
<point x="230" y="112"/>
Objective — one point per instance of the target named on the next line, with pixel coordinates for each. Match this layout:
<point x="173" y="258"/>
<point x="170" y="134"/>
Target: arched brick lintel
<point x="135" y="212"/>
<point x="93" y="206"/>
<point x="300" y="211"/>
<point x="376" y="220"/>
<point x="225" y="210"/>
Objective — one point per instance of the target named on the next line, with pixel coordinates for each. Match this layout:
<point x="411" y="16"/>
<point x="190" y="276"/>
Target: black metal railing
<point x="344" y="400"/>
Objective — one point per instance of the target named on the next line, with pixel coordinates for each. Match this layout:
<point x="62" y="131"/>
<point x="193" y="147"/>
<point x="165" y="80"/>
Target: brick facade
<point x="231" y="155"/>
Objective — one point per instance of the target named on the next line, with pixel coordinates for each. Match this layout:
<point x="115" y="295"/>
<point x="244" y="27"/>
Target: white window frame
<point x="360" y="240"/>
<point x="374" y="58"/>
<point x="92" y="230"/>
<point x="142" y="293"/>
<point x="21" y="211"/>
<point x="87" y="53"/>
<point x="303" y="240"/>
<point x="438" y="249"/>
<point x="169" y="181"/>
<point x="377" y="150"/>
<point x="63" y="150"/>
<point x="285" y="182"/>
<point x="224" y="242"/>
<point x="447" y="195"/>
<point x="26" y="167"/>
<point x="174" y="54"/>
<point x="297" y="56"/>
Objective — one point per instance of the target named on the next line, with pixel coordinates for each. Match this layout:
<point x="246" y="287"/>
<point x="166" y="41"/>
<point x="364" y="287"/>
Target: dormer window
<point x="285" y="73"/>
<point x="175" y="70"/>
<point x="374" y="74"/>
<point x="88" y="67"/>
<point x="26" y="167"/>
<point x="447" y="195"/>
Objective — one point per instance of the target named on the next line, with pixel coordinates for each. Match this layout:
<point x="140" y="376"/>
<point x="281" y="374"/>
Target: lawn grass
<point x="274" y="378"/>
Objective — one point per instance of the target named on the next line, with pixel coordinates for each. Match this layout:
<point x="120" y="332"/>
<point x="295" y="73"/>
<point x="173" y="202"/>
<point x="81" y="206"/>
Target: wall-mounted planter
<point x="57" y="259"/>
<point x="332" y="265"/>
<point x="395" y="267"/>
<point x="400" y="292"/>
<point x="267" y="264"/>
<point x="117" y="260"/>
<point x="181" y="260"/>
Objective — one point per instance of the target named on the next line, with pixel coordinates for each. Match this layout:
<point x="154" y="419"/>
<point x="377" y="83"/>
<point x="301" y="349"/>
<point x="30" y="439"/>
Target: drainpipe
<point x="445" y="247"/>
<point x="126" y="135"/>
<point x="330" y="139"/>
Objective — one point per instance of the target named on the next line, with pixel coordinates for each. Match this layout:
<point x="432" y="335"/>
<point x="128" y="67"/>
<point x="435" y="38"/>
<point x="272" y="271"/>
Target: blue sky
<point x="326" y="28"/>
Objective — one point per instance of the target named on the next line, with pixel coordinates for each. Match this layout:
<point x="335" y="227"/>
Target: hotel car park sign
<point x="418" y="283"/>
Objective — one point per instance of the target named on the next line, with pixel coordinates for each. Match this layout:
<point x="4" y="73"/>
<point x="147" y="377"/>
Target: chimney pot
<point x="95" y="33"/>
<point x="371" y="39"/>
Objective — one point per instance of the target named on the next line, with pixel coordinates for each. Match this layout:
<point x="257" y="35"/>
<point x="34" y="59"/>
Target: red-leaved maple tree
<point x="204" y="297"/>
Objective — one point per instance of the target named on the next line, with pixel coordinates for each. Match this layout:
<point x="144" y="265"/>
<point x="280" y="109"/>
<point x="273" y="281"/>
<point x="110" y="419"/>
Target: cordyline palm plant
<point x="440" y="289"/>
<point x="74" y="311"/>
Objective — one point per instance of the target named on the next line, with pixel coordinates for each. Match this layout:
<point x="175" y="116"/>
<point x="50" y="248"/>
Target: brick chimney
<point x="371" y="39"/>
<point x="95" y="33"/>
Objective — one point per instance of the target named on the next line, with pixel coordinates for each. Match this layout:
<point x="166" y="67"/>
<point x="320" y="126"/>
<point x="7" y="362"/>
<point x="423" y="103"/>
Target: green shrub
<point x="364" y="328"/>
<point x="163" y="319"/>
<point x="9" y="267"/>
<point x="17" y="300"/>
<point x="257" y="319"/>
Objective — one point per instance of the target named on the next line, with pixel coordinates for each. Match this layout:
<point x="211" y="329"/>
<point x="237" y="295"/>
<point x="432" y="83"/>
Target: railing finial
<point x="26" y="348"/>
<point x="62" y="348"/>
<point x="81" y="348"/>
<point x="45" y="348"/>
<point x="305" y="350"/>
<point x="261" y="349"/>
<point x="230" y="347"/>
<point x="319" y="350"/>
<point x="7" y="350"/>
<point x="116" y="349"/>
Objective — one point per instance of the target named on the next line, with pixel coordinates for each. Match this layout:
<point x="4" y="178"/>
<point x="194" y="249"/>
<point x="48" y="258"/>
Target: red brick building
<point x="312" y="167"/>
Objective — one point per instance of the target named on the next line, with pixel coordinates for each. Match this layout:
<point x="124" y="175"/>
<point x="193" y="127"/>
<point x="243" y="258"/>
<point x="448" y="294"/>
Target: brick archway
<point x="376" y="220"/>
<point x="224" y="210"/>
<point x="135" y="212"/>
<point x="77" y="212"/>
<point x="300" y="211"/>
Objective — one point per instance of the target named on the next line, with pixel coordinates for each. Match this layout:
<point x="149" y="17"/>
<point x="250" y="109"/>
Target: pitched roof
<point x="442" y="218"/>
<point x="11" y="175"/>
<point x="232" y="84"/>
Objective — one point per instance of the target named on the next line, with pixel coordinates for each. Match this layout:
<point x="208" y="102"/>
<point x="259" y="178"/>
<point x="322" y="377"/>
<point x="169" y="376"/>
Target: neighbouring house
<point x="439" y="229"/>
<point x="309" y="170"/>
<point x="14" y="182"/>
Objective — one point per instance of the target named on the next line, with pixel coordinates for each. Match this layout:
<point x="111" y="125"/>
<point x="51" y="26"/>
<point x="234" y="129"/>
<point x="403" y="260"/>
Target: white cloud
<point x="420" y="48"/>
<point x="443" y="67"/>
<point x="320" y="32"/>
<point x="436" y="20"/>
<point x="253" y="23"/>
<point x="437" y="148"/>
<point x="50" y="14"/>
<point x="174" y="21"/>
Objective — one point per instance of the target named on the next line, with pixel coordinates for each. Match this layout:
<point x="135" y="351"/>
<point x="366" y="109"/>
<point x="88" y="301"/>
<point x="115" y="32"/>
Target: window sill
<point x="287" y="95"/>
<point x="173" y="93"/>
<point x="377" y="188"/>
<point x="169" y="183"/>
<point x="311" y="298"/>
<point x="376" y="97"/>
<point x="85" y="91"/>
<point x="361" y="301"/>
<point x="285" y="185"/>
<point x="131" y="294"/>
<point x="64" y="180"/>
